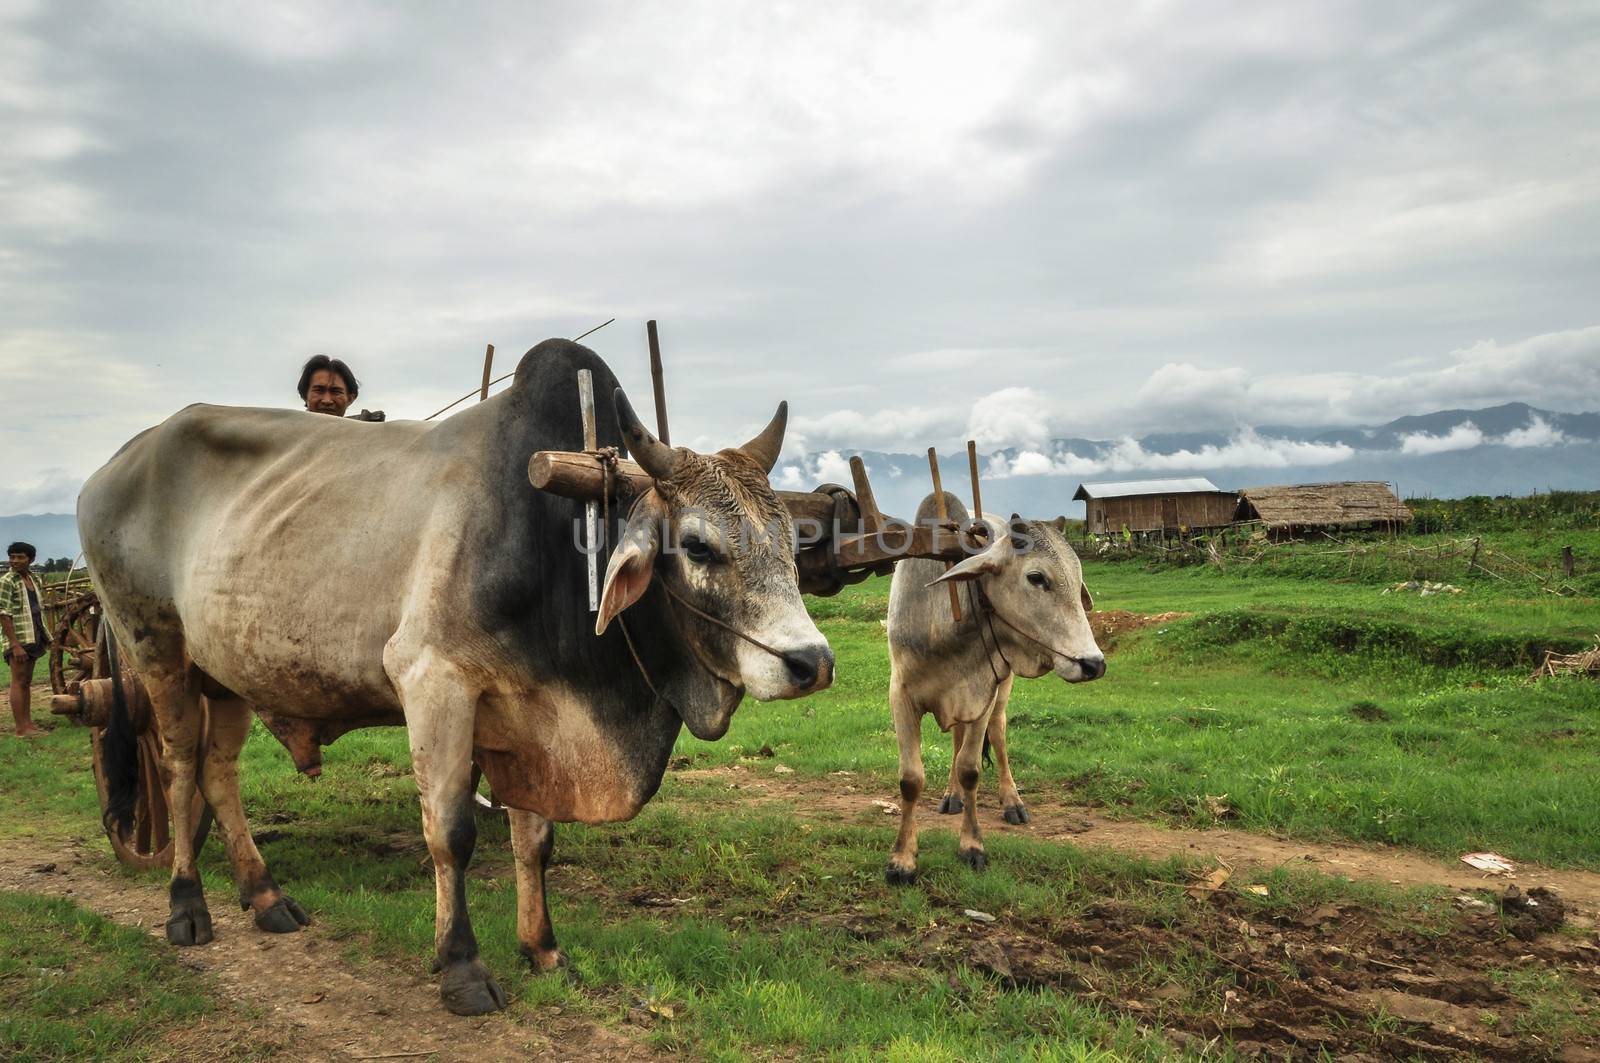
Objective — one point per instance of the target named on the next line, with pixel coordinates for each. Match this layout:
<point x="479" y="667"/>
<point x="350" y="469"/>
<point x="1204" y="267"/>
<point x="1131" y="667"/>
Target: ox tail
<point x="987" y="760"/>
<point x="119" y="745"/>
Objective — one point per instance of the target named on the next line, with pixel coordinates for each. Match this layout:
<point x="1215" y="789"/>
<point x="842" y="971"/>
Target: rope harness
<point x="976" y="601"/>
<point x="607" y="457"/>
<point x="983" y="607"/>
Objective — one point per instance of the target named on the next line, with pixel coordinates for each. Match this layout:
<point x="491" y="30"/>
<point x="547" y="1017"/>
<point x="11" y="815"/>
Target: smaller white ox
<point x="1023" y="612"/>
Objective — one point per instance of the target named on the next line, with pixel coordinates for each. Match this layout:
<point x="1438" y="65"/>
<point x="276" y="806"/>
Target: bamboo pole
<point x="972" y="467"/>
<point x="658" y="382"/>
<point x="944" y="518"/>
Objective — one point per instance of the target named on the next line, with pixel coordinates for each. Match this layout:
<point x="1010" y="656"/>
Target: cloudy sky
<point x="913" y="220"/>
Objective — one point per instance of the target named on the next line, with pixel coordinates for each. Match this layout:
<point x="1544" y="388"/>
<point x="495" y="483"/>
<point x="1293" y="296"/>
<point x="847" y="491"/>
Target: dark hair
<point x="322" y="361"/>
<point x="22" y="548"/>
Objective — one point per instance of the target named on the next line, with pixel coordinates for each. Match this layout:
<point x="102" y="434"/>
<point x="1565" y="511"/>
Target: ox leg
<point x="439" y="715"/>
<point x="175" y="704"/>
<point x="275" y="911"/>
<point x="951" y="802"/>
<point x="902" y="869"/>
<point x="1012" y="808"/>
<point x="532" y="839"/>
<point x="970" y="850"/>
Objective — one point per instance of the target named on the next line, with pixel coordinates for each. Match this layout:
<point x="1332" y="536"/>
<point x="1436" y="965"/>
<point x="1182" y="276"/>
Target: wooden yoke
<point x="579" y="475"/>
<point x="856" y="537"/>
<point x="846" y="538"/>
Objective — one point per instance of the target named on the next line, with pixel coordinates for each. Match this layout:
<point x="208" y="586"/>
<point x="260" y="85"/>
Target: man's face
<point x="327" y="393"/>
<point x="20" y="562"/>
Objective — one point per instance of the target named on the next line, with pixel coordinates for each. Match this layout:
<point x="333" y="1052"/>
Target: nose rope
<point x="977" y="611"/>
<point x="702" y="614"/>
<point x="993" y="614"/>
<point x="607" y="457"/>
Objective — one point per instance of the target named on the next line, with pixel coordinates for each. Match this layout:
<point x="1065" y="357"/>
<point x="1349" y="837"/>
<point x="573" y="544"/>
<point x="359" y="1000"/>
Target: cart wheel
<point x="72" y="644"/>
<point x="146" y="842"/>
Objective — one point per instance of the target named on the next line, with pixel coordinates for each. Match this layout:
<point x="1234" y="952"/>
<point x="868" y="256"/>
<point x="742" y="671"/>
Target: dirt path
<point x="856" y="797"/>
<point x="312" y="1005"/>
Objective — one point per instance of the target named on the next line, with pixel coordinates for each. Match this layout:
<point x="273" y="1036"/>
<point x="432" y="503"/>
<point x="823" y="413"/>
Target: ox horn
<point x="653" y="456"/>
<point x="765" y="447"/>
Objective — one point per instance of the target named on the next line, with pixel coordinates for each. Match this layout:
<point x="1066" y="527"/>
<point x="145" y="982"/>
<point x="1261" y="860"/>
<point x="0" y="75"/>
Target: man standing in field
<point x="23" y="623"/>
<point x="328" y="386"/>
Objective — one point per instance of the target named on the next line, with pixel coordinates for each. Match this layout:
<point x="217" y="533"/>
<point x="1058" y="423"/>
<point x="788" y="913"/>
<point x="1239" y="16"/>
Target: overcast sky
<point x="912" y="220"/>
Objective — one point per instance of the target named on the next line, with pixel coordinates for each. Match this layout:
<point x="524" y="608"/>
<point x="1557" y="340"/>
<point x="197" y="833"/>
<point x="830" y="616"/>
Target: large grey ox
<point x="407" y="572"/>
<point x="1023" y="606"/>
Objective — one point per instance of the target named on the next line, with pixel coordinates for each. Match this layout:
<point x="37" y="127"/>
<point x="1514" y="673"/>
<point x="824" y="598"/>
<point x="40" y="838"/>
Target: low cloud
<point x="1179" y="387"/>
<point x="48" y="491"/>
<point x="828" y="467"/>
<point x="879" y="430"/>
<point x="1546" y="370"/>
<point x="1011" y="417"/>
<point x="1549" y="369"/>
<point x="1463" y="436"/>
<point x="1537" y="433"/>
<point x="1246" y="449"/>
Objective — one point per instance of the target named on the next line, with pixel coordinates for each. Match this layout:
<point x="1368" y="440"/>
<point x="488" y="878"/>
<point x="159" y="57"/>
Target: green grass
<point x="750" y="939"/>
<point x="1507" y="556"/>
<point x="74" y="985"/>
<point x="1255" y="697"/>
<point x="1321" y="708"/>
<point x="1557" y="1009"/>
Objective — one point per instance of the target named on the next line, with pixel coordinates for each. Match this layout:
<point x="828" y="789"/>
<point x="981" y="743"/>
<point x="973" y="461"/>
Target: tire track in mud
<point x="857" y="797"/>
<point x="310" y="1003"/>
<point x="1336" y="982"/>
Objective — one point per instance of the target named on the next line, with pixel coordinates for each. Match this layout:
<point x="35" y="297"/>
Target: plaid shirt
<point x="14" y="600"/>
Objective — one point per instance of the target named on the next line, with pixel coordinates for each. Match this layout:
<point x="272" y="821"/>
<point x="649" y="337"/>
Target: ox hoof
<point x="542" y="960"/>
<point x="976" y="859"/>
<point x="189" y="924"/>
<point x="469" y="989"/>
<point x="950" y="805"/>
<point x="895" y="875"/>
<point x="1017" y="813"/>
<point x="285" y="917"/>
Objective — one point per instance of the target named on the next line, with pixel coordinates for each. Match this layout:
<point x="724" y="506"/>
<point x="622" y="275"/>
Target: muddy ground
<point x="303" y="1001"/>
<point x="1338" y="982"/>
<point x="1059" y="818"/>
<point x="1334" y="983"/>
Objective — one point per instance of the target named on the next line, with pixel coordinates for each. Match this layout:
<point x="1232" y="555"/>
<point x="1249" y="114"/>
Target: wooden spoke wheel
<point x="73" y="638"/>
<point x="146" y="840"/>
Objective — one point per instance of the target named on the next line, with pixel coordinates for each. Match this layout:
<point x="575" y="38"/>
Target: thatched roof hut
<point x="1322" y="505"/>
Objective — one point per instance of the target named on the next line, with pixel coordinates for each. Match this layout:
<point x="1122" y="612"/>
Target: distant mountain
<point x="1510" y="449"/>
<point x="52" y="534"/>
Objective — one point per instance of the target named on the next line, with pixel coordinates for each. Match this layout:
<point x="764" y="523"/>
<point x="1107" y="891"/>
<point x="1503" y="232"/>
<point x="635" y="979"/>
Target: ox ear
<point x="984" y="564"/>
<point x="1088" y="599"/>
<point x="765" y="447"/>
<point x="632" y="563"/>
